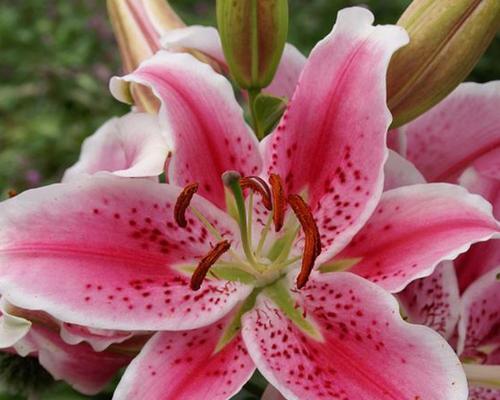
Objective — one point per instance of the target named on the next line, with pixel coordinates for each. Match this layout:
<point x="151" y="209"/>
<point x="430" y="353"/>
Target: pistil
<point x="232" y="181"/>
<point x="258" y="185"/>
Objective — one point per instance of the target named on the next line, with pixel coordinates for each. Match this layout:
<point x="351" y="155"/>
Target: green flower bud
<point x="253" y="34"/>
<point x="447" y="38"/>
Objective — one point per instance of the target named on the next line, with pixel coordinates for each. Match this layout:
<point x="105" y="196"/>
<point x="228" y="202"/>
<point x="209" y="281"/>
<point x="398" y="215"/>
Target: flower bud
<point x="253" y="34"/>
<point x="138" y="26"/>
<point x="447" y="38"/>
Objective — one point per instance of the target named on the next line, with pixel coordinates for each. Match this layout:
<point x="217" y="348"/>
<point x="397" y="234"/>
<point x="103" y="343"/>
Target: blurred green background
<point x="57" y="57"/>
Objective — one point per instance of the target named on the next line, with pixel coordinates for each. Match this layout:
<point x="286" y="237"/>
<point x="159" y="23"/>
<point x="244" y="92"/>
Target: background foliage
<point x="57" y="57"/>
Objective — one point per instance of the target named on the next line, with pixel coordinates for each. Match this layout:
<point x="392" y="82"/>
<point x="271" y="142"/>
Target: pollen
<point x="258" y="185"/>
<point x="183" y="202"/>
<point x="206" y="262"/>
<point x="312" y="246"/>
<point x="279" y="201"/>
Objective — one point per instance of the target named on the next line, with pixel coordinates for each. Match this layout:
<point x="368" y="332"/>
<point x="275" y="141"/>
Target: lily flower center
<point x="267" y="259"/>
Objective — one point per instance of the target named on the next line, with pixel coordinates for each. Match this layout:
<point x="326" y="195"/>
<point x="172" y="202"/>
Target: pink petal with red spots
<point x="128" y="146"/>
<point x="271" y="393"/>
<point x="479" y="260"/>
<point x="367" y="351"/>
<point x="479" y="334"/>
<point x="414" y="228"/>
<point x="98" y="339"/>
<point x="481" y="257"/>
<point x="481" y="393"/>
<point x="484" y="185"/>
<point x="202" y="118"/>
<point x="100" y="252"/>
<point x="398" y="171"/>
<point x="331" y="140"/>
<point x="206" y="39"/>
<point x="452" y="135"/>
<point x="85" y="370"/>
<point x="185" y="365"/>
<point x="434" y="301"/>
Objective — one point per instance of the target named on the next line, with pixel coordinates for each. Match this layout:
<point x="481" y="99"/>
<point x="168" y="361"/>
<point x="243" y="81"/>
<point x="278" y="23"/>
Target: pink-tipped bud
<point x="138" y="26"/>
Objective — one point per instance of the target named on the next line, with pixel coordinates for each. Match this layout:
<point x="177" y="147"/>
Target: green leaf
<point x="268" y="112"/>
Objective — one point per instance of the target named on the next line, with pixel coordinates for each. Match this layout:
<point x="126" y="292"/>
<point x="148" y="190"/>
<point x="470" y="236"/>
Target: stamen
<point x="206" y="262"/>
<point x="279" y="201"/>
<point x="260" y="186"/>
<point x="182" y="204"/>
<point x="312" y="246"/>
<point x="11" y="193"/>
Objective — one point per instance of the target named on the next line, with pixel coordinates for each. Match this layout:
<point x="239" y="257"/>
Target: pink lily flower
<point x="83" y="368"/>
<point x="457" y="133"/>
<point x="207" y="269"/>
<point x="130" y="146"/>
<point x="435" y="301"/>
<point x="465" y="148"/>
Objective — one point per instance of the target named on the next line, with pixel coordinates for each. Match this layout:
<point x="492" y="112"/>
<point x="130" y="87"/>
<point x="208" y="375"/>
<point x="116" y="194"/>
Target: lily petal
<point x="482" y="393"/>
<point x="331" y="140"/>
<point x="484" y="185"/>
<point x="481" y="257"/>
<point x="478" y="333"/>
<point x="12" y="328"/>
<point x="367" y="351"/>
<point x="128" y="146"/>
<point x="202" y="117"/>
<point x="416" y="227"/>
<point x="271" y="393"/>
<point x="98" y="339"/>
<point x="434" y="301"/>
<point x="102" y="252"/>
<point x="398" y="171"/>
<point x="85" y="370"/>
<point x="207" y="40"/>
<point x="463" y="127"/>
<point x="489" y="164"/>
<point x="186" y="365"/>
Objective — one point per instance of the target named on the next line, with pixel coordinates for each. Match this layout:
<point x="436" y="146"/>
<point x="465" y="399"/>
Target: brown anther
<point x="182" y="204"/>
<point x="279" y="201"/>
<point x="206" y="262"/>
<point x="312" y="246"/>
<point x="260" y="186"/>
<point x="11" y="193"/>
